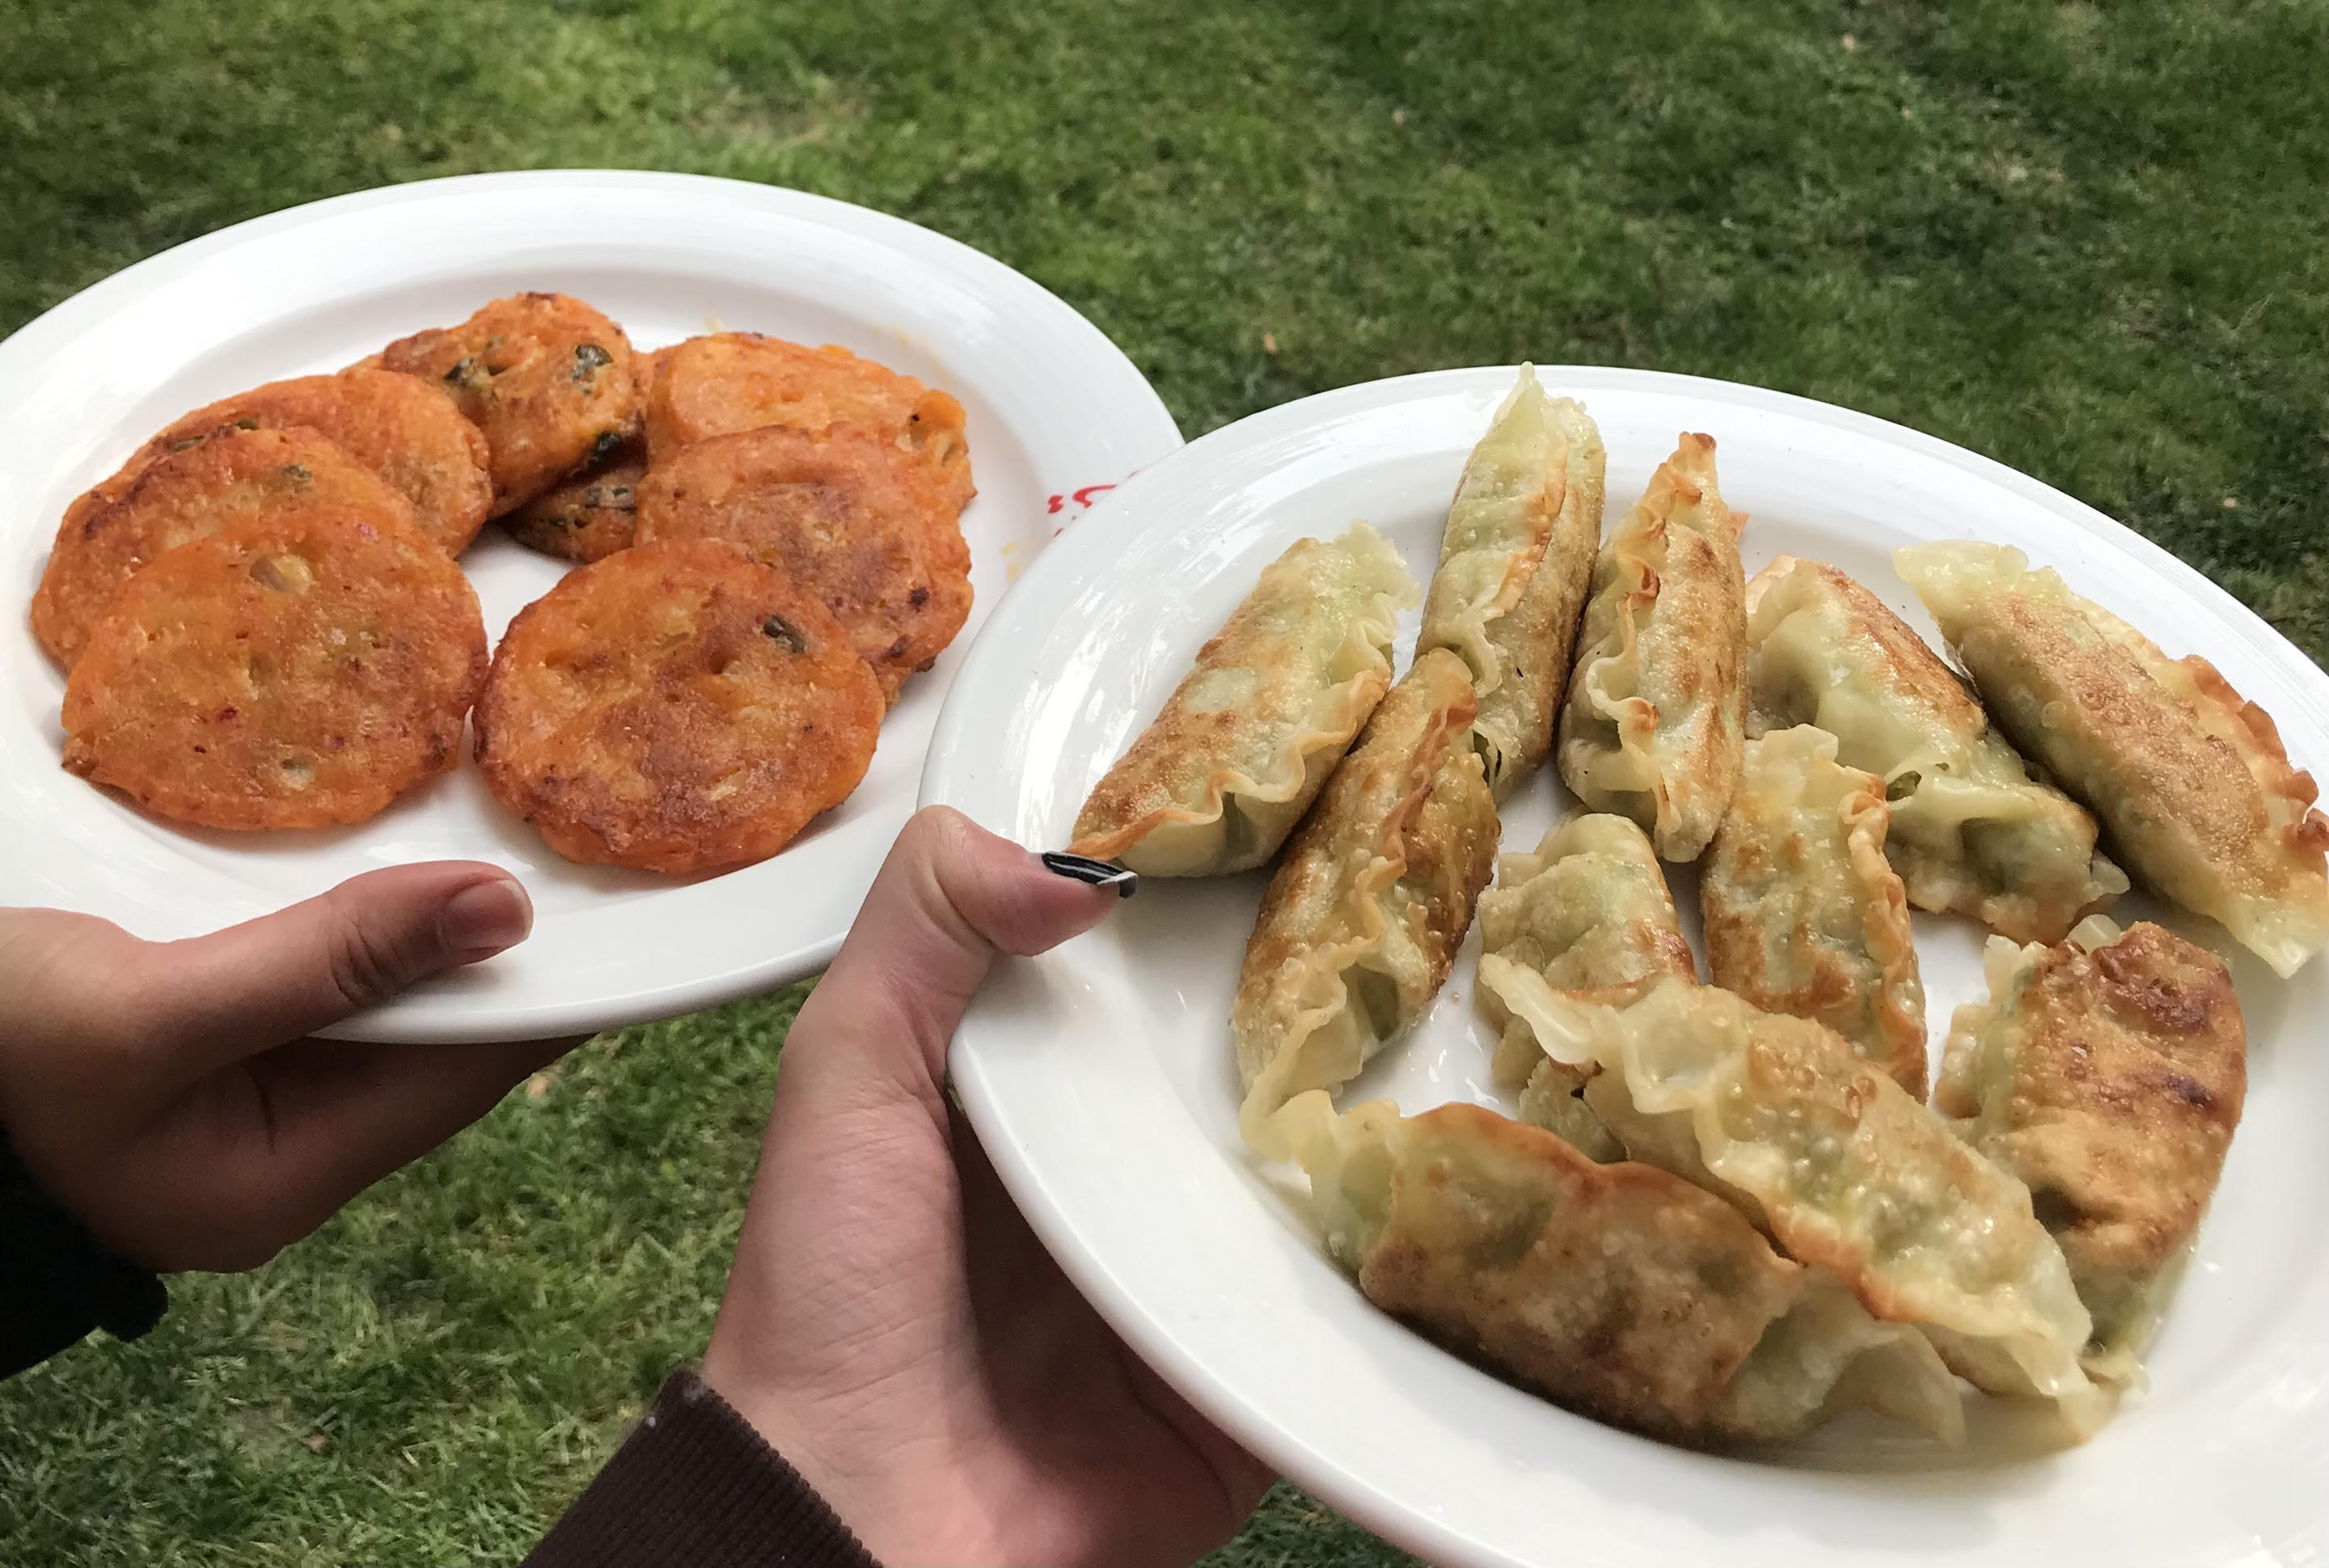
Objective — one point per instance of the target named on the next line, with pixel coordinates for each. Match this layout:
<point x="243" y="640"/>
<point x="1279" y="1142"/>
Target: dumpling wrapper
<point x="1840" y="1165"/>
<point x="1513" y="567"/>
<point x="2108" y="1072"/>
<point x="1588" y="911"/>
<point x="1972" y="832"/>
<point x="1247" y="740"/>
<point x="1617" y="1291"/>
<point x="1657" y="700"/>
<point x="1803" y="913"/>
<point x="1362" y="922"/>
<point x="2200" y="798"/>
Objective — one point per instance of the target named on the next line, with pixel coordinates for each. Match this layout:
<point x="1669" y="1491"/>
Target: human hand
<point x="891" y="1326"/>
<point x="162" y="1092"/>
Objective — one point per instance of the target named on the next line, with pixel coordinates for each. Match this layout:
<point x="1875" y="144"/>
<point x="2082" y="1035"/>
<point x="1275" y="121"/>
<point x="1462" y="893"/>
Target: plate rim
<point x="946" y="782"/>
<point x="1137" y="419"/>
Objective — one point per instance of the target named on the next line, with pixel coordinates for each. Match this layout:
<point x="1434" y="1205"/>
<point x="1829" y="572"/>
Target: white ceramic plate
<point x="1100" y="1076"/>
<point x="1057" y="414"/>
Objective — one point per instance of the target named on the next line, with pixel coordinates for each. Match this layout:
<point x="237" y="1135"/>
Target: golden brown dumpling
<point x="1657" y="703"/>
<point x="2108" y="1072"/>
<point x="1245" y="743"/>
<point x="1840" y="1165"/>
<point x="1362" y="920"/>
<point x="1802" y="914"/>
<point x="1618" y="1290"/>
<point x="2192" y="780"/>
<point x="1513" y="567"/>
<point x="1972" y="832"/>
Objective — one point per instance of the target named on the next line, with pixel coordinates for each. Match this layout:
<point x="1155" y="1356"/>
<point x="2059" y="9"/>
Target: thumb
<point x="950" y="898"/>
<point x="258" y="984"/>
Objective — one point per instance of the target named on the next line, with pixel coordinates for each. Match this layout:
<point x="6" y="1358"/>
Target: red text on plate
<point x="1084" y="500"/>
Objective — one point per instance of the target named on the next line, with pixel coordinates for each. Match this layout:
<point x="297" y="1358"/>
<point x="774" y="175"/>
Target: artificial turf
<point x="2089" y="241"/>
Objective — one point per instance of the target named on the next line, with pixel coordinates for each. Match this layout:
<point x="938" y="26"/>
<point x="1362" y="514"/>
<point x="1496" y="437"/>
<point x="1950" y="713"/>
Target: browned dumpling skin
<point x="1972" y="833"/>
<point x="676" y="707"/>
<point x="1245" y="743"/>
<point x="545" y="376"/>
<point x="847" y="515"/>
<point x="728" y="382"/>
<point x="231" y="476"/>
<point x="1619" y="1290"/>
<point x="1657" y="700"/>
<point x="1839" y="1164"/>
<point x="284" y="672"/>
<point x="403" y="429"/>
<point x="2108" y="1071"/>
<point x="2200" y="799"/>
<point x="1362" y="922"/>
<point x="1803" y="913"/>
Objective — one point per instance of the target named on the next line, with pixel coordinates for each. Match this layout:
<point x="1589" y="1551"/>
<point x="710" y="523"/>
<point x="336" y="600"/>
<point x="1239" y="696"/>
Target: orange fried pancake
<point x="234" y="476"/>
<point x="546" y="377"/>
<point x="589" y="517"/>
<point x="849" y="517"/>
<point x="589" y="514"/>
<point x="675" y="707"/>
<point x="739" y="381"/>
<point x="399" y="426"/>
<point x="296" y="671"/>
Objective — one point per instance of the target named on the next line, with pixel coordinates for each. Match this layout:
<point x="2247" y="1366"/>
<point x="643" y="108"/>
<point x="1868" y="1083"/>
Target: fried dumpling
<point x="1246" y="740"/>
<point x="2200" y="798"/>
<point x="1657" y="708"/>
<point x="2108" y="1072"/>
<point x="1803" y="913"/>
<point x="1972" y="832"/>
<point x="1617" y="1291"/>
<point x="1840" y="1165"/>
<point x="1365" y="912"/>
<point x="1590" y="911"/>
<point x="1513" y="566"/>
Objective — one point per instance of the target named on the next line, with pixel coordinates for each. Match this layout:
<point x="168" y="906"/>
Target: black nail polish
<point x="1097" y="872"/>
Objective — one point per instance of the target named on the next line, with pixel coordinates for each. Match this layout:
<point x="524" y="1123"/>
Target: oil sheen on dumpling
<point x="1590" y="911"/>
<point x="1365" y="912"/>
<point x="1840" y="1165"/>
<point x="1513" y="566"/>
<point x="2200" y="797"/>
<point x="1617" y="1291"/>
<point x="1657" y="708"/>
<point x="1245" y="743"/>
<point x="1803" y="913"/>
<point x="2108" y="1072"/>
<point x="1972" y="832"/>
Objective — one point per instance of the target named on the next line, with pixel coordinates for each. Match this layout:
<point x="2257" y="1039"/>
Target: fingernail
<point x="1097" y="872"/>
<point x="483" y="919"/>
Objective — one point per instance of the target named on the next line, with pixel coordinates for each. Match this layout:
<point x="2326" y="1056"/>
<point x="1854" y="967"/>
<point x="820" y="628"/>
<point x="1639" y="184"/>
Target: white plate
<point x="1100" y="1076"/>
<point x="1057" y="414"/>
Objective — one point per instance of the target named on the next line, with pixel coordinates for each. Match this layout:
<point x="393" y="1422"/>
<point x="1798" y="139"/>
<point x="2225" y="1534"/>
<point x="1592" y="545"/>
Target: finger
<point x="949" y="899"/>
<point x="351" y="1114"/>
<point x="220" y="999"/>
<point x="339" y="1115"/>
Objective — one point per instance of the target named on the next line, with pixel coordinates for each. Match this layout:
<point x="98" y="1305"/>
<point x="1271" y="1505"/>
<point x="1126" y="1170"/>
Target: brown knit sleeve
<point x="694" y="1483"/>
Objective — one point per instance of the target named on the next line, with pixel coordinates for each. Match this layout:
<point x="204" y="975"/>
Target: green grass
<point x="2089" y="241"/>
